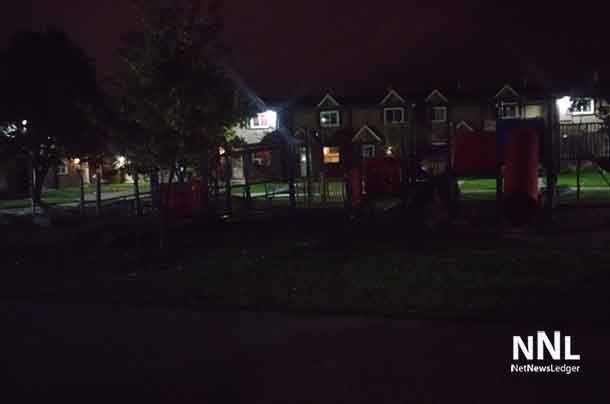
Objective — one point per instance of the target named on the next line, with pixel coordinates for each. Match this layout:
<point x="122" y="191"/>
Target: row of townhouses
<point x="365" y="127"/>
<point x="345" y="128"/>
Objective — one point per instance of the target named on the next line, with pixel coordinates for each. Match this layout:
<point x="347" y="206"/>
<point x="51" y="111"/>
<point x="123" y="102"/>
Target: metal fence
<point x="584" y="141"/>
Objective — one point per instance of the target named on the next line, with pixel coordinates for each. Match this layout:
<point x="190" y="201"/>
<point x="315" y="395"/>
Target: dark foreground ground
<point x="91" y="354"/>
<point x="307" y="309"/>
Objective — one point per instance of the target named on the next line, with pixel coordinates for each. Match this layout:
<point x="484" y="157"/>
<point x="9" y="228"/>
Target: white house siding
<point x="252" y="136"/>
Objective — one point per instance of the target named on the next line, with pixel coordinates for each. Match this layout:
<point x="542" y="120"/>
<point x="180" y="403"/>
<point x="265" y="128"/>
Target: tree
<point x="175" y="93"/>
<point x="49" y="94"/>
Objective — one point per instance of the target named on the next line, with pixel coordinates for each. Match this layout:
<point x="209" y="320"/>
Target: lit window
<point x="332" y="155"/>
<point x="264" y="120"/>
<point x="330" y="119"/>
<point x="259" y="122"/>
<point x="394" y="115"/>
<point x="368" y="151"/>
<point x="508" y="110"/>
<point x="439" y="114"/>
<point x="582" y="106"/>
<point x="63" y="169"/>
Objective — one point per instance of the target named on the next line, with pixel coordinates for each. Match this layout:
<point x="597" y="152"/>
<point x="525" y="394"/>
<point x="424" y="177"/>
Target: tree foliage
<point x="50" y="97"/>
<point x="175" y="96"/>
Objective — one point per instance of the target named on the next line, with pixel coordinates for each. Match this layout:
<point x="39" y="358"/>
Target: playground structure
<point x="279" y="172"/>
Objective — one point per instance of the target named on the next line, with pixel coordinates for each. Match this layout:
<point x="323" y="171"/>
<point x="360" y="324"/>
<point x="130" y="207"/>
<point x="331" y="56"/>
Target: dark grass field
<point x="317" y="261"/>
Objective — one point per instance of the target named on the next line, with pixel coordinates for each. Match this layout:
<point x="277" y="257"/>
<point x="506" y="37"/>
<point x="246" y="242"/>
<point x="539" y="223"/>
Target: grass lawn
<point x="587" y="179"/>
<point x="316" y="263"/>
<point x="484" y="189"/>
<point x="334" y="188"/>
<point x="71" y="194"/>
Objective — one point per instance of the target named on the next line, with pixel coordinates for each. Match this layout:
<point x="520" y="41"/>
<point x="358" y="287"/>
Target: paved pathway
<point x="90" y="197"/>
<point x="113" y="354"/>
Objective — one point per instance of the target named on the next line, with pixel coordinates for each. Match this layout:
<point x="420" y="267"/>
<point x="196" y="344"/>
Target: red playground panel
<point x="184" y="198"/>
<point x="521" y="166"/>
<point x="475" y="155"/>
<point x="381" y="176"/>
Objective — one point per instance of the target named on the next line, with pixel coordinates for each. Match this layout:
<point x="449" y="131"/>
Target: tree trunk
<point x="33" y="182"/>
<point x="38" y="174"/>
<point x="154" y="190"/>
<point x="81" y="203"/>
<point x="228" y="191"/>
<point x="136" y="191"/>
<point x="216" y="180"/>
<point x="164" y="225"/>
<point x="204" y="173"/>
<point x="98" y="189"/>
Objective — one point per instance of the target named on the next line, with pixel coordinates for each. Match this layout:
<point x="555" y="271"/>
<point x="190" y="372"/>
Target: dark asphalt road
<point x="114" y="354"/>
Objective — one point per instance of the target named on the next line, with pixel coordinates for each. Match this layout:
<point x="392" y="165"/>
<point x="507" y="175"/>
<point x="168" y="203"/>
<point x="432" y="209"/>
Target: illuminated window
<point x="332" y="155"/>
<point x="508" y="110"/>
<point x="394" y="115"/>
<point x="582" y="106"/>
<point x="63" y="169"/>
<point x="330" y="119"/>
<point x="439" y="114"/>
<point x="264" y="120"/>
<point x="259" y="122"/>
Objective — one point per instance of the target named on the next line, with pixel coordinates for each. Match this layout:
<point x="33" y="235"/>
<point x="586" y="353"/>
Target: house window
<point x="330" y="119"/>
<point x="394" y="115"/>
<point x="264" y="120"/>
<point x="368" y="151"/>
<point x="332" y="155"/>
<point x="508" y="110"/>
<point x="259" y="122"/>
<point x="439" y="114"/>
<point x="583" y="106"/>
<point x="63" y="168"/>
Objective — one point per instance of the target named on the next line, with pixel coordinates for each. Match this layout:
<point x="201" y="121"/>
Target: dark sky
<point x="281" y="46"/>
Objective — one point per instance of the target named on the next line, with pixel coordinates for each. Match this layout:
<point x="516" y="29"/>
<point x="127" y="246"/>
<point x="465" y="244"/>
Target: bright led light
<point x="76" y="161"/>
<point x="120" y="162"/>
<point x="271" y="117"/>
<point x="24" y="122"/>
<point x="564" y="105"/>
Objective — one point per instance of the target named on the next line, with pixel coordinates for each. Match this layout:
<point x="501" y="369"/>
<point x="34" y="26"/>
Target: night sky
<point x="283" y="47"/>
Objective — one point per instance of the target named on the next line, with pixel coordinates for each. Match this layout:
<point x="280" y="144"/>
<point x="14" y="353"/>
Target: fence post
<point x="308" y="167"/>
<point x="98" y="189"/>
<point x="578" y="163"/>
<point x="136" y="189"/>
<point x="247" y="162"/>
<point x="228" y="191"/>
<point x="81" y="204"/>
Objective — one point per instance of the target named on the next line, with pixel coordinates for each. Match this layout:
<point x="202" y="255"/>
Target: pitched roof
<point x="507" y="89"/>
<point x="464" y="124"/>
<point x="392" y="93"/>
<point x="437" y="93"/>
<point x="328" y="98"/>
<point x="364" y="131"/>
